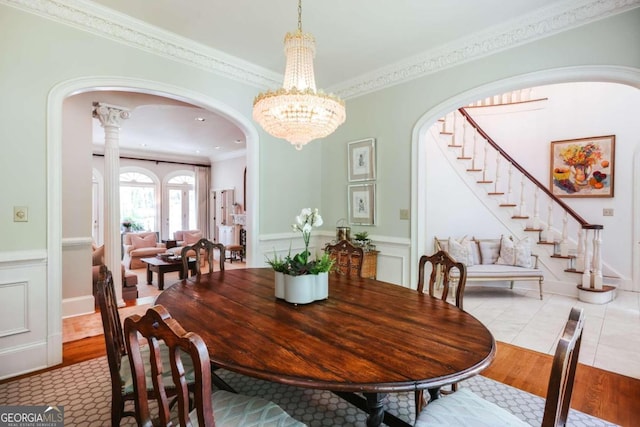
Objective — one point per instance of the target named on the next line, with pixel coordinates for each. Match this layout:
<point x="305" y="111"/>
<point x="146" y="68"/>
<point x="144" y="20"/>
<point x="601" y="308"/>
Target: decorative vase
<point x="279" y="284"/>
<point x="581" y="174"/>
<point x="321" y="286"/>
<point x="300" y="289"/>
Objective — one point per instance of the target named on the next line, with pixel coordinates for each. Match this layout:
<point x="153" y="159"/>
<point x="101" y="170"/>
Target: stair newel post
<point x="580" y="252"/>
<point x="536" y="209"/>
<point x="523" y="183"/>
<point x="586" y="275"/>
<point x="596" y="276"/>
<point x="564" y="244"/>
<point x="548" y="234"/>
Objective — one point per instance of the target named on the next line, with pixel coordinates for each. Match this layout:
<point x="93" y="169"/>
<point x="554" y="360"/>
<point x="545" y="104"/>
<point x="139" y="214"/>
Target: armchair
<point x="140" y="245"/>
<point x="129" y="279"/>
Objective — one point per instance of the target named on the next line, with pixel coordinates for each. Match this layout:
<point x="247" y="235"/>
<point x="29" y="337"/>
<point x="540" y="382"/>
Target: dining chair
<point x="348" y="258"/>
<point x="196" y="250"/>
<point x="122" y="390"/>
<point x="220" y="407"/>
<point x="467" y="408"/>
<point x="441" y="268"/>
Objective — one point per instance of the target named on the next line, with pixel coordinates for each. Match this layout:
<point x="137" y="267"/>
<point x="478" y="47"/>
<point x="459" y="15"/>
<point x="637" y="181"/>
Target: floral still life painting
<point x="583" y="167"/>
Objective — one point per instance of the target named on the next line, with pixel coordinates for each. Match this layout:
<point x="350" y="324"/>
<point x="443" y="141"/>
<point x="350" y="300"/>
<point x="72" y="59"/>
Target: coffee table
<point x="160" y="266"/>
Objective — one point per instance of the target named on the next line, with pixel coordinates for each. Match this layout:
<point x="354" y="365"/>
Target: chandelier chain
<point x="300" y="15"/>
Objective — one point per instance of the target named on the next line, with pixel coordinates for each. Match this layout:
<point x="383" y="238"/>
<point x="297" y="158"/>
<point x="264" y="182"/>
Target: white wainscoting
<point x="393" y="259"/>
<point x="23" y="312"/>
<point x="77" y="288"/>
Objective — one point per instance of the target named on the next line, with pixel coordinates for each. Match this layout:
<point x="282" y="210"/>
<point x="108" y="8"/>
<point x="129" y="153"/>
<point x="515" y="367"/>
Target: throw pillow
<point x="515" y="253"/>
<point x="145" y="241"/>
<point x="489" y="250"/>
<point x="191" y="238"/>
<point x="461" y="251"/>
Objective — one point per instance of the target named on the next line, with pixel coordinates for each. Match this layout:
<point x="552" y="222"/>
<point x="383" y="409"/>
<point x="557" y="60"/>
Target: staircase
<point x="569" y="247"/>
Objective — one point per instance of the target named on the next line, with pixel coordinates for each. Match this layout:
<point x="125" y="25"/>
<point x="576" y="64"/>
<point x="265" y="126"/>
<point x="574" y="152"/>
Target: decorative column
<point x="111" y="118"/>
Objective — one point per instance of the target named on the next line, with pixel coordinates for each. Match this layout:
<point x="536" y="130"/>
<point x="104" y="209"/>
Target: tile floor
<point x="611" y="338"/>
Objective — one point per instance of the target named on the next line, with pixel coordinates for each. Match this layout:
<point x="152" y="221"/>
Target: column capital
<point x="110" y="115"/>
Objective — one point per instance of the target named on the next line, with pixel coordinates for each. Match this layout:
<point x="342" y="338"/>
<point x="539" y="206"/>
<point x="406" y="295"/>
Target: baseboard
<point x="21" y="360"/>
<point x="77" y="306"/>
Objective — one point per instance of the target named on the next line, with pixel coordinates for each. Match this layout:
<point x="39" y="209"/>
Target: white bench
<point x="482" y="266"/>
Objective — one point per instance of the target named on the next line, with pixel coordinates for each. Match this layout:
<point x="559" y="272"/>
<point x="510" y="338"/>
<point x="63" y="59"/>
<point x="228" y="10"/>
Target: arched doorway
<point x="54" y="177"/>
<point x="622" y="75"/>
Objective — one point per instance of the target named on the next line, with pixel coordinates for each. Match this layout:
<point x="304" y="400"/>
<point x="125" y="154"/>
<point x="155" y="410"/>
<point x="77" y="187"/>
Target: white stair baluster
<point x="580" y="252"/>
<point x="536" y="209"/>
<point x="564" y="244"/>
<point x="522" y="209"/>
<point x="484" y="161"/>
<point x="548" y="235"/>
<point x="495" y="187"/>
<point x="509" y="185"/>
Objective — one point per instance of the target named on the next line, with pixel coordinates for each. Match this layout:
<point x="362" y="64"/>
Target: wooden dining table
<point x="369" y="336"/>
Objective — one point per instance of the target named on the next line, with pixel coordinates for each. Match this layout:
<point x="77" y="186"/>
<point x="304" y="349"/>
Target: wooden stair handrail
<point x="522" y="170"/>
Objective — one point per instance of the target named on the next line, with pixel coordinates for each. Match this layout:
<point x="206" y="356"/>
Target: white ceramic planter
<point x="321" y="286"/>
<point x="300" y="289"/>
<point x="279" y="284"/>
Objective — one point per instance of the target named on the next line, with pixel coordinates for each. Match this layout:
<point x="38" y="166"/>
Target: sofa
<point x="493" y="260"/>
<point x="140" y="245"/>
<point x="129" y="279"/>
<point x="185" y="238"/>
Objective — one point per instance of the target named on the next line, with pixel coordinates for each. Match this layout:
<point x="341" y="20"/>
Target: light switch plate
<point x="20" y="214"/>
<point x="404" y="213"/>
<point x="607" y="212"/>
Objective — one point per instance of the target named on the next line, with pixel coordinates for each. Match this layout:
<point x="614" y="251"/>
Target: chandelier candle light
<point x="298" y="112"/>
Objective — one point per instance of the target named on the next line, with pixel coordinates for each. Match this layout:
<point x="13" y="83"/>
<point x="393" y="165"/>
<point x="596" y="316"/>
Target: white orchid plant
<point x="300" y="264"/>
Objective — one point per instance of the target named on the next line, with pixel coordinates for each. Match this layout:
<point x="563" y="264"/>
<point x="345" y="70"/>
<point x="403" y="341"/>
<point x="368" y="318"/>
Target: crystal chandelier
<point x="298" y="112"/>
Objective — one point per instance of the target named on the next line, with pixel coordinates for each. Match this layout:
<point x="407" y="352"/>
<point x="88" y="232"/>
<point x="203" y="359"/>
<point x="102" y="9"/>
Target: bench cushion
<point x="499" y="271"/>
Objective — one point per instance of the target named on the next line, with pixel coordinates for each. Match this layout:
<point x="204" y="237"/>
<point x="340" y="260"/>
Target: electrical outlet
<point x="607" y="212"/>
<point x="20" y="214"/>
<point x="404" y="213"/>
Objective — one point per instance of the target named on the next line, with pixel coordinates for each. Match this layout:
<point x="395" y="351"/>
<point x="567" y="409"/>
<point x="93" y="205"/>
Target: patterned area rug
<point x="84" y="391"/>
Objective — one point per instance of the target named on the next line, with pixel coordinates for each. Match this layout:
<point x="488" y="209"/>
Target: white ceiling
<point x="354" y="38"/>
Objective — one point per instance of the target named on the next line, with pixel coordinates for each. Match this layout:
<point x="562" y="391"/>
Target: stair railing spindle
<point x="536" y="209"/>
<point x="548" y="235"/>
<point x="564" y="244"/>
<point x="522" y="208"/>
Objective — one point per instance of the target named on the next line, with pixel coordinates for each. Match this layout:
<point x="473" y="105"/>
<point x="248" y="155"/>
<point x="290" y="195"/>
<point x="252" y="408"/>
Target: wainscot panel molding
<point x="23" y="299"/>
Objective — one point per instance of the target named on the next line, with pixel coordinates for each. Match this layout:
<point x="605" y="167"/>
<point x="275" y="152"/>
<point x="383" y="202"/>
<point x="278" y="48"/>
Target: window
<point x="182" y="203"/>
<point x="138" y="199"/>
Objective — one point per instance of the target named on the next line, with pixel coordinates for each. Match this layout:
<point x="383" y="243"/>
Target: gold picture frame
<point x="583" y="167"/>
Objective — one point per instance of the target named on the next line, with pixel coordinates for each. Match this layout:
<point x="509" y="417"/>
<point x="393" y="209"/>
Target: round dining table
<point x="368" y="336"/>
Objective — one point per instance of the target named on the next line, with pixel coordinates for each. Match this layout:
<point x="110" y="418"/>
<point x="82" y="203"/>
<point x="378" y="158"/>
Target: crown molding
<point x="540" y="24"/>
<point x="105" y="22"/>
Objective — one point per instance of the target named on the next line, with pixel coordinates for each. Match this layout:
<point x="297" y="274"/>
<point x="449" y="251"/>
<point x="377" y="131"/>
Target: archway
<point x="56" y="98"/>
<point x="612" y="74"/>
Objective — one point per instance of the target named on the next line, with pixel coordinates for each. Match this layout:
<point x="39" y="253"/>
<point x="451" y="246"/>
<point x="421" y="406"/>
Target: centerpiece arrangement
<point x="300" y="279"/>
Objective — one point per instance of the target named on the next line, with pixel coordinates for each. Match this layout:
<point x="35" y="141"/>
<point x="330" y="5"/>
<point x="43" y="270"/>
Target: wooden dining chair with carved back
<point x="196" y="250"/>
<point x="211" y="408"/>
<point x="440" y="279"/>
<point x="347" y="258"/>
<point x="466" y="408"/>
<point x="122" y="390"/>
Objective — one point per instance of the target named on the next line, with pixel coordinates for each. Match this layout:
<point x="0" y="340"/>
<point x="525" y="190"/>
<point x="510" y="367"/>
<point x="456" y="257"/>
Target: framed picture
<point x="583" y="167"/>
<point x="362" y="160"/>
<point x="362" y="204"/>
